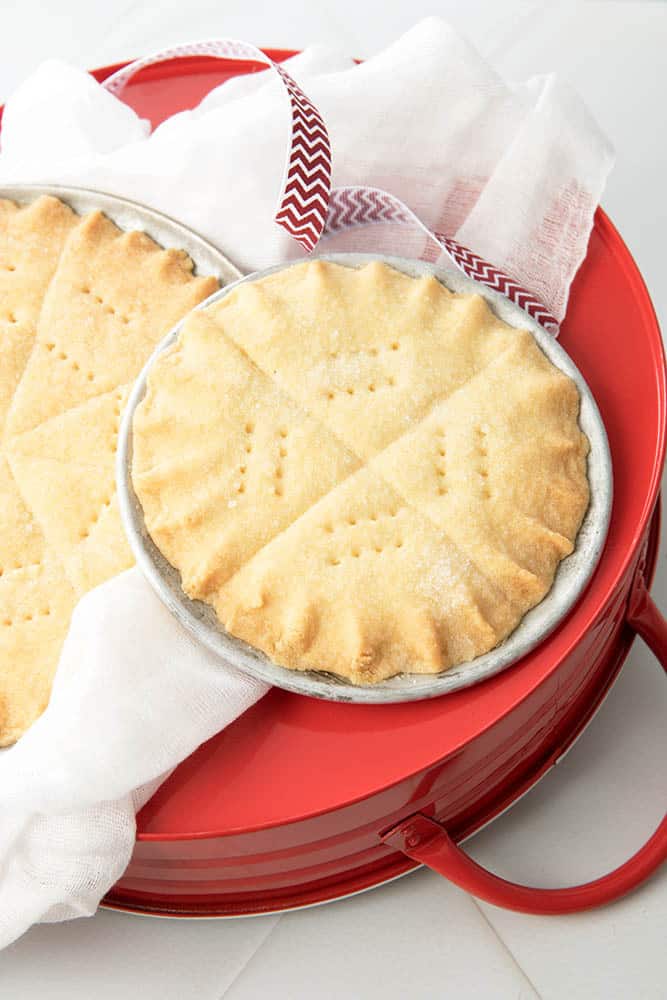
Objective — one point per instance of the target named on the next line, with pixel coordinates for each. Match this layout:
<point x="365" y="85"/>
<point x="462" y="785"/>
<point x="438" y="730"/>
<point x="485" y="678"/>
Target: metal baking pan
<point x="571" y="578"/>
<point x="128" y="215"/>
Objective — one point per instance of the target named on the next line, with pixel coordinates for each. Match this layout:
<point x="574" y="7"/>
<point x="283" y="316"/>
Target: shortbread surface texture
<point x="361" y="472"/>
<point x="82" y="305"/>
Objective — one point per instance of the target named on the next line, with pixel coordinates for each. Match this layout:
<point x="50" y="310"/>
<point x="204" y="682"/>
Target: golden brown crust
<point x="361" y="472"/>
<point x="86" y="304"/>
<point x="36" y="603"/>
<point x="111" y="300"/>
<point x="31" y="241"/>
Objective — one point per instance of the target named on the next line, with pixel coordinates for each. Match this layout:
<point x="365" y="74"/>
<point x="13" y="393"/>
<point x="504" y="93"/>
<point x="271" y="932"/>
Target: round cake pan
<point x="572" y="576"/>
<point x="128" y="215"/>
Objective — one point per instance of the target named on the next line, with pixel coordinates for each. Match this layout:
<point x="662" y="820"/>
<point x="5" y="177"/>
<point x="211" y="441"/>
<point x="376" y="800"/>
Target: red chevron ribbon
<point x="307" y="206"/>
<point x="359" y="206"/>
<point x="304" y="195"/>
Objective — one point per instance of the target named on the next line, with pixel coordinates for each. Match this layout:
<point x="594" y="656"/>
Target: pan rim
<point x="167" y="232"/>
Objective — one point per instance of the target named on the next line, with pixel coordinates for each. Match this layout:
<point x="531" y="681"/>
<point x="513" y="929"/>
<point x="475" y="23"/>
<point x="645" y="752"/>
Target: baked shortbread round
<point x="82" y="306"/>
<point x="360" y="471"/>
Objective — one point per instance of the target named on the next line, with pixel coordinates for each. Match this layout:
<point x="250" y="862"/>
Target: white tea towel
<point x="513" y="172"/>
<point x="134" y="695"/>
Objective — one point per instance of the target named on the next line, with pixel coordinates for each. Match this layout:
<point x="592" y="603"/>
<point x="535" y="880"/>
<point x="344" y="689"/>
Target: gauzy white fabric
<point x="513" y="172"/>
<point x="134" y="695"/>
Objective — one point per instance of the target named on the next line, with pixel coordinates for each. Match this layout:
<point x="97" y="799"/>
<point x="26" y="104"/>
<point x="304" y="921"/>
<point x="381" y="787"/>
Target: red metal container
<point x="302" y="801"/>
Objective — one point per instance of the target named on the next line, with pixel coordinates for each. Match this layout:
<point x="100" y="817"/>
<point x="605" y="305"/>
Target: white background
<point x="420" y="937"/>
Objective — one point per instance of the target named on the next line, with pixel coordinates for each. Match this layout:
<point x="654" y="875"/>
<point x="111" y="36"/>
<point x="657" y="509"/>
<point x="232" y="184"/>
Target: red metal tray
<point x="289" y="805"/>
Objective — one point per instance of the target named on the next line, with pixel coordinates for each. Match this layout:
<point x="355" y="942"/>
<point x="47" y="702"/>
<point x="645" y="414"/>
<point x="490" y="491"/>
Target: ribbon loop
<point x="307" y="206"/>
<point x="360" y="206"/>
<point x="306" y="187"/>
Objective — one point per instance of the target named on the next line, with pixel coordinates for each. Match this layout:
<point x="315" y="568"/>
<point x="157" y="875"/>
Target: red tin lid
<point x="291" y="757"/>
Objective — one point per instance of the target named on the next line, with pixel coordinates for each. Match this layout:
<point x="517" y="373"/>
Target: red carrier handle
<point x="426" y="840"/>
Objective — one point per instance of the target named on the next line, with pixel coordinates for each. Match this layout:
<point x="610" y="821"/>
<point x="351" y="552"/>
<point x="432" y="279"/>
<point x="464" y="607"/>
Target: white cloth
<point x="134" y="695"/>
<point x="514" y="172"/>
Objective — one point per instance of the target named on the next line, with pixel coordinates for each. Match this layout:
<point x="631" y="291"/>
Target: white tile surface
<point x="615" y="954"/>
<point x="415" y="937"/>
<point x="112" y="955"/>
<point x="419" y="937"/>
